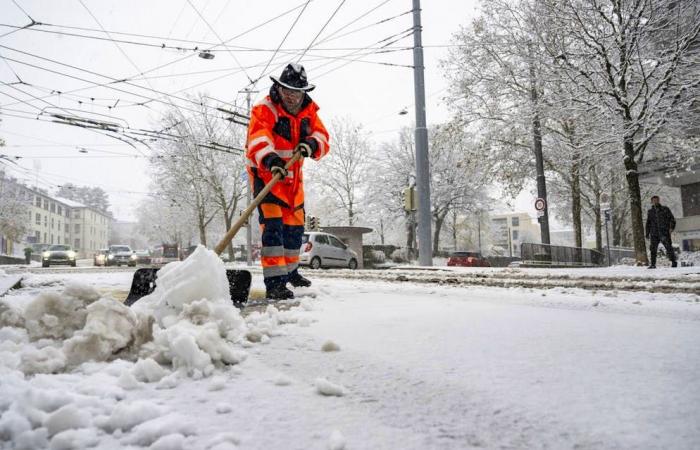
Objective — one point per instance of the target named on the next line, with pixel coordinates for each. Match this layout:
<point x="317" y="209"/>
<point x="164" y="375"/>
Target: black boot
<point x="299" y="281"/>
<point x="279" y="292"/>
<point x="652" y="266"/>
<point x="674" y="263"/>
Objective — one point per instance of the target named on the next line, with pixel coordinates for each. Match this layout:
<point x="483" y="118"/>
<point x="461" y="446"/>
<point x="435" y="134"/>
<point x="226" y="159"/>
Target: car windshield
<point x="464" y="254"/>
<point x="305" y="239"/>
<point x="120" y="248"/>
<point x="59" y="248"/>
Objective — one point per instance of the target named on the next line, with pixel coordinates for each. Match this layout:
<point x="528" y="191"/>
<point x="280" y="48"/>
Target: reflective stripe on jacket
<point x="272" y="130"/>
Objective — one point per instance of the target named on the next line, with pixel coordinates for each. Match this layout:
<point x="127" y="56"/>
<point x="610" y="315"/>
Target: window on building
<point x="77" y="244"/>
<point x="53" y="207"/>
<point x="38" y="219"/>
<point x="76" y="214"/>
<point x="52" y="223"/>
<point x="67" y="212"/>
<point x="76" y="228"/>
<point x="45" y="237"/>
<point x="46" y="204"/>
<point x="51" y="239"/>
<point x="60" y="211"/>
<point x="46" y="221"/>
<point x="58" y="239"/>
<point x="37" y="201"/>
<point x="515" y="221"/>
<point x="515" y="235"/>
<point x="67" y="228"/>
<point x="37" y="235"/>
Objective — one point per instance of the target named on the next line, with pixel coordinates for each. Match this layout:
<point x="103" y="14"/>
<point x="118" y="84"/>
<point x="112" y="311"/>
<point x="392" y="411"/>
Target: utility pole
<point x="425" y="252"/>
<point x="249" y="196"/>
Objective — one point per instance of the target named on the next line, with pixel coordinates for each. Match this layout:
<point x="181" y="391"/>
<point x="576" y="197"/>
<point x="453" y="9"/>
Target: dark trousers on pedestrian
<point x="666" y="241"/>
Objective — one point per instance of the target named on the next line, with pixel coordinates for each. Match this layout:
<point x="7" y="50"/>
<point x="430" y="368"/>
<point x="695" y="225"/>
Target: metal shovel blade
<point x="144" y="283"/>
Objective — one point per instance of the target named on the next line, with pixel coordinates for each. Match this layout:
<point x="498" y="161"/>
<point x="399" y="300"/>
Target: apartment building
<point x="53" y="220"/>
<point x="508" y="231"/>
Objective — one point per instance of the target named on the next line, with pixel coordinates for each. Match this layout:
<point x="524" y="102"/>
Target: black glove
<point x="275" y="164"/>
<point x="308" y="147"/>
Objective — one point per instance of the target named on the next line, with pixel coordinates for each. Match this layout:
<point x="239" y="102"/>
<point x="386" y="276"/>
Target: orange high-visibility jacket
<point x="274" y="130"/>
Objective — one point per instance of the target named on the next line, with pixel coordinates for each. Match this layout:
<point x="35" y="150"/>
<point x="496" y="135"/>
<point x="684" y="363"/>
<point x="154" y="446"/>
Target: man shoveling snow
<point x="284" y="120"/>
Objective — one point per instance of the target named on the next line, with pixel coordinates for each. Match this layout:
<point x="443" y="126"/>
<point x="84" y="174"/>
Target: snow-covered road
<point x="418" y="367"/>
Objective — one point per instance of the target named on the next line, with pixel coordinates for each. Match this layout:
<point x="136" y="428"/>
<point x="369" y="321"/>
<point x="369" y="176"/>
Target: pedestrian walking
<point x="660" y="225"/>
<point x="285" y="121"/>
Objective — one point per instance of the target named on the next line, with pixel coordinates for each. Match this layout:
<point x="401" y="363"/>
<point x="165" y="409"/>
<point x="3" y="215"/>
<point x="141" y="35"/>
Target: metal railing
<point x="558" y="255"/>
<point x="618" y="254"/>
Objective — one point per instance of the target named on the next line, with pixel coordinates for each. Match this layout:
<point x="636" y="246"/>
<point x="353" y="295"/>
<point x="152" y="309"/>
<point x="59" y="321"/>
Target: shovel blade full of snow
<point x="144" y="281"/>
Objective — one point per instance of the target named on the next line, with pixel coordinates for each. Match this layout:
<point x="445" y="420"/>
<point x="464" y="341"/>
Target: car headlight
<point x="110" y="257"/>
<point x="134" y="257"/>
<point x="46" y="254"/>
<point x="71" y="255"/>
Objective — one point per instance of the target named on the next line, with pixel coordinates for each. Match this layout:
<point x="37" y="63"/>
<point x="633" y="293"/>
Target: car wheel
<point x="44" y="264"/>
<point x="315" y="262"/>
<point x="73" y="264"/>
<point x="352" y="264"/>
<point x="131" y="265"/>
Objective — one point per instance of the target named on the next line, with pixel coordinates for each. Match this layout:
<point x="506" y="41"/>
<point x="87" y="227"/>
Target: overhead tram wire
<point x="181" y="59"/>
<point x="282" y="42"/>
<point x="22" y="9"/>
<point x="220" y="39"/>
<point x="342" y="2"/>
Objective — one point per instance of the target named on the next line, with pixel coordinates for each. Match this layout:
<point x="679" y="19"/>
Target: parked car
<point x="121" y="254"/>
<point x="143" y="257"/>
<point x="467" y="259"/>
<point x="325" y="250"/>
<point x="58" y="254"/>
<point x="165" y="254"/>
<point x="100" y="258"/>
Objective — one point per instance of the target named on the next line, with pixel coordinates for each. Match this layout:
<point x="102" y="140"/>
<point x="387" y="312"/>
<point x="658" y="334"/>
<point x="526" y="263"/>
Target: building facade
<point x="52" y="220"/>
<point x="510" y="230"/>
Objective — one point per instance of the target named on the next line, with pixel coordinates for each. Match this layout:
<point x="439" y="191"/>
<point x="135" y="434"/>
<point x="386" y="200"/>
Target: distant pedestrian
<point x="660" y="225"/>
<point x="28" y="254"/>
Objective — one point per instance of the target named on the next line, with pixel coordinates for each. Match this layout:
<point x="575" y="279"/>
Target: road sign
<point x="605" y="207"/>
<point x="540" y="213"/>
<point x="540" y="204"/>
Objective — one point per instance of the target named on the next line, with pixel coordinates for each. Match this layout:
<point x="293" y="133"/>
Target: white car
<point x="325" y="250"/>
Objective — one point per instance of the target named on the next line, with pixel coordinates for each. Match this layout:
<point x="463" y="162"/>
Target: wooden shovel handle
<point x="221" y="246"/>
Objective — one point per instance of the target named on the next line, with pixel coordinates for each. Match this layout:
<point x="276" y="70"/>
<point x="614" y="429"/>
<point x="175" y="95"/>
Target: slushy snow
<point x="186" y="329"/>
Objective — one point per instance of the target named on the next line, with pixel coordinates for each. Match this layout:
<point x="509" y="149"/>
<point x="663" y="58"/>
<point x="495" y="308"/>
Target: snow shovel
<point x="144" y="281"/>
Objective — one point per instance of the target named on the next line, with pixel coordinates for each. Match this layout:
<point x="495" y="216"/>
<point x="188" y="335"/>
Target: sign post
<point x="606" y="210"/>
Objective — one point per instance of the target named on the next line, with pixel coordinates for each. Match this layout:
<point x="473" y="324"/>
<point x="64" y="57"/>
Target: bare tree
<point x="636" y="62"/>
<point x="14" y="209"/>
<point x="341" y="176"/>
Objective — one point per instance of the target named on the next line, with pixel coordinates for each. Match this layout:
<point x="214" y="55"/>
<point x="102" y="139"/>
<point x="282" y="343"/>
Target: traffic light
<point x="409" y="199"/>
<point x="313" y="223"/>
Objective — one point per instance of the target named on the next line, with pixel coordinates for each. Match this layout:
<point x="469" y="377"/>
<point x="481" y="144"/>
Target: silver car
<point x="325" y="250"/>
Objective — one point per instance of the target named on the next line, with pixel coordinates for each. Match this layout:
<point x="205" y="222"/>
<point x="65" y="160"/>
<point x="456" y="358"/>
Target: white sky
<point x="369" y="93"/>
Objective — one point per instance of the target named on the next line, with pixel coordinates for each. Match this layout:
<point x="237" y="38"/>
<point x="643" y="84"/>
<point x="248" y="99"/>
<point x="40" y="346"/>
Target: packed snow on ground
<point x="358" y="364"/>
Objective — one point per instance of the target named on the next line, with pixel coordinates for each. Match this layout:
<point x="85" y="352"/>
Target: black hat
<point x="294" y="77"/>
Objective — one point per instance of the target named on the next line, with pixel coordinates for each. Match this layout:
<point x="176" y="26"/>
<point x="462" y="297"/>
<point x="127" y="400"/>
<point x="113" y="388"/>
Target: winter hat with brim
<point x="294" y="77"/>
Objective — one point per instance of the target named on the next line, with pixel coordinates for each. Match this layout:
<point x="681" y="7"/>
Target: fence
<point x="557" y="255"/>
<point x="619" y="254"/>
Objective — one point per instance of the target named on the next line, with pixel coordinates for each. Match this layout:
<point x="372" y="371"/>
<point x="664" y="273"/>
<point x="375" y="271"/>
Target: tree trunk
<point x="227" y="224"/>
<point x="439" y="221"/>
<point x="576" y="200"/>
<point x="598" y="224"/>
<point x="632" y="177"/>
<point x="537" y="148"/>
<point x="202" y="229"/>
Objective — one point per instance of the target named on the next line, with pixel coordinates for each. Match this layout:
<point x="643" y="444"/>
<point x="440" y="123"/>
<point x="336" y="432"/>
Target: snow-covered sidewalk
<point x="373" y="365"/>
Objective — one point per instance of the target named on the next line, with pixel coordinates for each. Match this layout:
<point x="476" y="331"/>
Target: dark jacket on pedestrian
<point x="660" y="221"/>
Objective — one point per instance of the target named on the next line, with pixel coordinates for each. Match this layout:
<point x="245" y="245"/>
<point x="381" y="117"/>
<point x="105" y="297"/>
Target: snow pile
<point x="689" y="258"/>
<point x="60" y="330"/>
